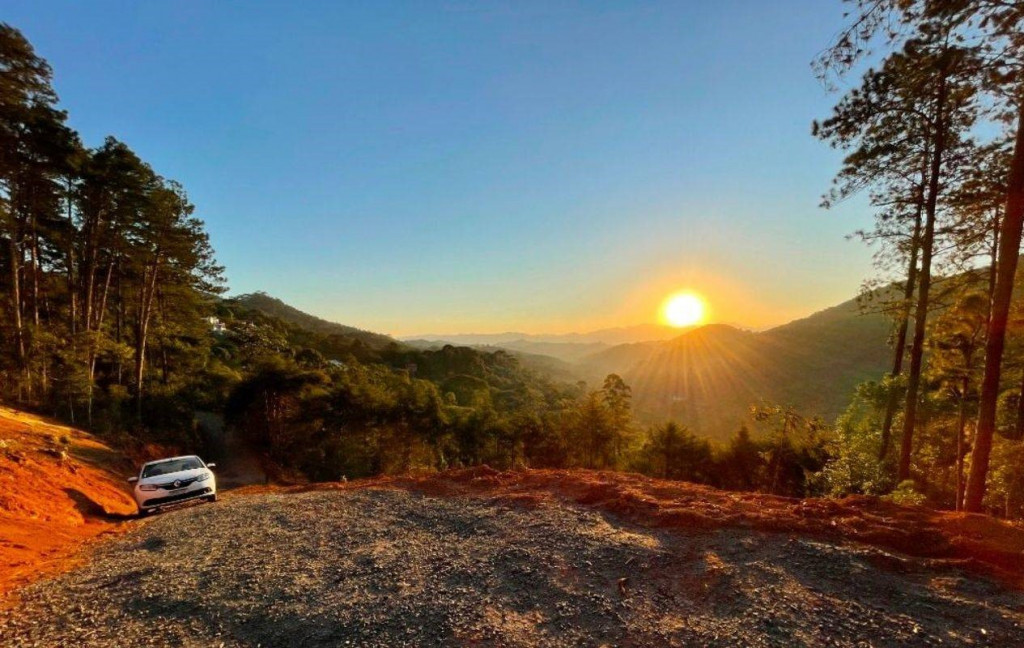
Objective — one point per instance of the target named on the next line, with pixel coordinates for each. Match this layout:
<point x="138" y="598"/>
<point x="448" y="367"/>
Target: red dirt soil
<point x="978" y="542"/>
<point x="59" y="489"/>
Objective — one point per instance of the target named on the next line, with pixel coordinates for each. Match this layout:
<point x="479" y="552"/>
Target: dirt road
<point x="383" y="567"/>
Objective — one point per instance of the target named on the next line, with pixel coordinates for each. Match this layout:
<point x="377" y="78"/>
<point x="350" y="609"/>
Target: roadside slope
<point x="59" y="488"/>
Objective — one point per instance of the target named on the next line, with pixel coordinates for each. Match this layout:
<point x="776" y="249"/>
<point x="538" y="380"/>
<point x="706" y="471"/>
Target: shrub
<point x="906" y="495"/>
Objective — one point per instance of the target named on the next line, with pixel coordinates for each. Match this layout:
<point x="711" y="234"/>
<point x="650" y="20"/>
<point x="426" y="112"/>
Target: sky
<point x="457" y="166"/>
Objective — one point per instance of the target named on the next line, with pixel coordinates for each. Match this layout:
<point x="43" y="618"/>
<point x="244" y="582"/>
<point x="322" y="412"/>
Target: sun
<point x="683" y="309"/>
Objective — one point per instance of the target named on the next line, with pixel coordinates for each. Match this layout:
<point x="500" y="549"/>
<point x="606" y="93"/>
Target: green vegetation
<point x="113" y="316"/>
<point x="331" y="406"/>
<point x="934" y="134"/>
<point x="107" y="272"/>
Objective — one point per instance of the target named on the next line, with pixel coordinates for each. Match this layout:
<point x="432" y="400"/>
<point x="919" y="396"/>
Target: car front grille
<point x="159" y="501"/>
<point x="177" y="483"/>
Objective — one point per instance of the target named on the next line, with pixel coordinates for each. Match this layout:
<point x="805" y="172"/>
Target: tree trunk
<point x="70" y="254"/>
<point x="901" y="334"/>
<point x="19" y="332"/>
<point x="119" y="320"/>
<point x="994" y="265"/>
<point x="30" y="240"/>
<point x="89" y="283"/>
<point x="961" y="423"/>
<point x="101" y="308"/>
<point x="90" y="259"/>
<point x="1009" y="249"/>
<point x="34" y="255"/>
<point x="90" y="262"/>
<point x="142" y="331"/>
<point x="1018" y="427"/>
<point x="89" y="326"/>
<point x="921" y="314"/>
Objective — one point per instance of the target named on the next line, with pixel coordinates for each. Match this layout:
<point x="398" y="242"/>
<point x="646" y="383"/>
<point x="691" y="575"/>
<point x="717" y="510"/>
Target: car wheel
<point x="212" y="498"/>
<point x="145" y="512"/>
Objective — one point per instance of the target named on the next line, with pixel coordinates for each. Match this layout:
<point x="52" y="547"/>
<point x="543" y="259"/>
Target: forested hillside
<point x="274" y="307"/>
<point x="708" y="378"/>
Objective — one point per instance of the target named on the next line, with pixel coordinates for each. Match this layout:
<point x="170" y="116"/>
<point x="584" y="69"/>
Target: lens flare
<point x="683" y="309"/>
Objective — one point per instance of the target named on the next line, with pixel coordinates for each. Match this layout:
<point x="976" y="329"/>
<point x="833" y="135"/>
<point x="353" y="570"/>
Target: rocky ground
<point x="398" y="567"/>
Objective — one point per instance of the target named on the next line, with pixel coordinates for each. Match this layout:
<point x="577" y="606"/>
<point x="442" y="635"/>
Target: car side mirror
<point x="132" y="480"/>
<point x="211" y="465"/>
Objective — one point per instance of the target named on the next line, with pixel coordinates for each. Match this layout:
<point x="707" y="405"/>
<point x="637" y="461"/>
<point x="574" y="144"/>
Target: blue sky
<point x="460" y="166"/>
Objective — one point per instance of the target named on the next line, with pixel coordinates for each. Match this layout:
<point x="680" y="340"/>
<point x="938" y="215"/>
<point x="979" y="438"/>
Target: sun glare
<point x="683" y="309"/>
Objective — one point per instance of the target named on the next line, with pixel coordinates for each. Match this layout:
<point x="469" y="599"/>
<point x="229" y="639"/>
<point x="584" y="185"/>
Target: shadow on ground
<point x="91" y="509"/>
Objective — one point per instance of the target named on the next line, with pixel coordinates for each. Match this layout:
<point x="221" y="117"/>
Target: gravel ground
<point x="395" y="568"/>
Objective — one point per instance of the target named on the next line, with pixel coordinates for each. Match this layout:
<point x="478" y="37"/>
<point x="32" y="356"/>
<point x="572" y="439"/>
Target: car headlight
<point x="204" y="476"/>
<point x="148" y="487"/>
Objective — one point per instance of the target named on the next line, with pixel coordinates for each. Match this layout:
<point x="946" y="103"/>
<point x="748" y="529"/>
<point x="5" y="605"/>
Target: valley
<point x="707" y="378"/>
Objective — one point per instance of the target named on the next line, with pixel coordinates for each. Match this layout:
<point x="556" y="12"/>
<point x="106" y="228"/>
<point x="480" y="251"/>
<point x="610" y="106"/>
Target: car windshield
<point x="171" y="466"/>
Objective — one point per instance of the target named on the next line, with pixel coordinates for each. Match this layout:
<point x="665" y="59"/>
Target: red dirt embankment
<point x="59" y="488"/>
<point x="977" y="542"/>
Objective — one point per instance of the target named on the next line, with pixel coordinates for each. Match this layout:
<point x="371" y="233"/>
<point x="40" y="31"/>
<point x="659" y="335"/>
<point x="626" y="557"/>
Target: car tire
<point x="145" y="512"/>
<point x="212" y="498"/>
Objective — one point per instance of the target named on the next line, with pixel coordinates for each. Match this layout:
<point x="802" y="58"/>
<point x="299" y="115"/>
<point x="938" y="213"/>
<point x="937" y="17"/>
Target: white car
<point x="170" y="481"/>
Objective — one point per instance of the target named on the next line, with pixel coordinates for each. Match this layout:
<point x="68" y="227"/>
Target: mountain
<point x="608" y="336"/>
<point x="568" y="347"/>
<point x="274" y="307"/>
<point x="707" y="378"/>
<point x="547" y="365"/>
<point x="565" y="351"/>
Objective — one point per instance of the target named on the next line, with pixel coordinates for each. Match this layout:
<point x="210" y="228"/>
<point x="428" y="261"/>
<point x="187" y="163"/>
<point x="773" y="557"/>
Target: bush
<point x="906" y="495"/>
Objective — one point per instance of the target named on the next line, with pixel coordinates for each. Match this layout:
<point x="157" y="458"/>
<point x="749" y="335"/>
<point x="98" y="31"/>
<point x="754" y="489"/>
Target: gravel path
<point x="394" y="568"/>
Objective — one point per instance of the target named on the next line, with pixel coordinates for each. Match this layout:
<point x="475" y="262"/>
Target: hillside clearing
<point x="396" y="567"/>
<point x="977" y="542"/>
<point x="481" y="557"/>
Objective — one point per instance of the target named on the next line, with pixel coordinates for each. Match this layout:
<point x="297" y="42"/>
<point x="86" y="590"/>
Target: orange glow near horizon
<point x="632" y="303"/>
<point x="683" y="309"/>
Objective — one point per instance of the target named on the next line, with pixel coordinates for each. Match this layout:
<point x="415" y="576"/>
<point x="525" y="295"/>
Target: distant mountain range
<point x="569" y="347"/>
<point x="608" y="336"/>
<point x="706" y="378"/>
<point x="570" y="352"/>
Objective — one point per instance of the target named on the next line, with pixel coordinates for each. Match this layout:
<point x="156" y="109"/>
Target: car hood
<point x="169" y="477"/>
